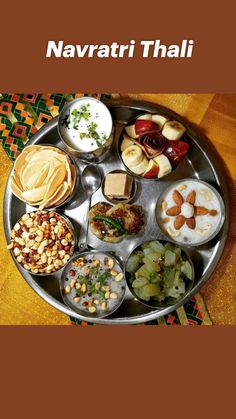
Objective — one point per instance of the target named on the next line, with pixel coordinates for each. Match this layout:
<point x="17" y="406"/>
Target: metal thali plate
<point x="201" y="163"/>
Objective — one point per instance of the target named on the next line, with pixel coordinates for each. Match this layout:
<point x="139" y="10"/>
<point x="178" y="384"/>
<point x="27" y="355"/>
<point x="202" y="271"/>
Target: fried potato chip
<point x="30" y="177"/>
<point x="34" y="195"/>
<point x="58" y="195"/>
<point x="15" y="189"/>
<point x="17" y="180"/>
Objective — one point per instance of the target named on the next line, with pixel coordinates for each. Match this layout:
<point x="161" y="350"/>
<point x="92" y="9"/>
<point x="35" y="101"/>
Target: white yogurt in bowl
<point x="85" y="126"/>
<point x="190" y="211"/>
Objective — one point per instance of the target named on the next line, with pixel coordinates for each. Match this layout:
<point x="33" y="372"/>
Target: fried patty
<point x="129" y="216"/>
<point x="100" y="229"/>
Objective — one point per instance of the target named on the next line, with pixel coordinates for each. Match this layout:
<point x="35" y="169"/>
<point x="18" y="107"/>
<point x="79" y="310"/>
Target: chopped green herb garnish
<point x="92" y="289"/>
<point x="84" y="113"/>
<point x="93" y="126"/>
<point x="102" y="278"/>
<point x="79" y="292"/>
<point x="84" y="135"/>
<point x="93" y="133"/>
<point x="94" y="271"/>
<point x="102" y="294"/>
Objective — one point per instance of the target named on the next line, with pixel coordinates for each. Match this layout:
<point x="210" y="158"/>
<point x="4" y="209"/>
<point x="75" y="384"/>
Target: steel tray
<point x="201" y="163"/>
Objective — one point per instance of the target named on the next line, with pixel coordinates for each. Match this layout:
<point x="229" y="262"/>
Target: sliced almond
<point x="182" y="187"/>
<point x="191" y="198"/>
<point x="163" y="205"/>
<point x="177" y="197"/>
<point x="173" y="211"/>
<point x="213" y="212"/>
<point x="172" y="233"/>
<point x="191" y="223"/>
<point x="166" y="220"/>
<point x="206" y="193"/>
<point x="204" y="231"/>
<point x="179" y="222"/>
<point x="201" y="211"/>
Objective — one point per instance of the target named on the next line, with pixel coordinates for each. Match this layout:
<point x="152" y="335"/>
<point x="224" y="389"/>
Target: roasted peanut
<point x="119" y="277"/>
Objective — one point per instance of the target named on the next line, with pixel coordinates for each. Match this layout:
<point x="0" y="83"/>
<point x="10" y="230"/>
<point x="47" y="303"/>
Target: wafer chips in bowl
<point x="43" y="176"/>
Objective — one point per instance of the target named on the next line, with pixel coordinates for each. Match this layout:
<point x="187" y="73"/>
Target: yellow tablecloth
<point x="215" y="115"/>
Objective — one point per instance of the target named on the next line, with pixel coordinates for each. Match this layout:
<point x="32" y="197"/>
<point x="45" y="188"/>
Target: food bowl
<point x="120" y="200"/>
<point x="35" y="168"/>
<point x="159" y="273"/>
<point x="93" y="284"/>
<point x="42" y="242"/>
<point x="85" y="127"/>
<point x="191" y="212"/>
<point x="113" y="223"/>
<point x="151" y="146"/>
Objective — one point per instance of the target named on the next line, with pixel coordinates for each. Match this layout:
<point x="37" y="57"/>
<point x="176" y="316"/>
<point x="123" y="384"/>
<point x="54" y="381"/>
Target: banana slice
<point x="173" y="130"/>
<point x="132" y="156"/>
<point x="126" y="142"/>
<point x="159" y="120"/>
<point x="164" y="165"/>
<point x="141" y="167"/>
<point x="146" y="116"/>
<point x="130" y="129"/>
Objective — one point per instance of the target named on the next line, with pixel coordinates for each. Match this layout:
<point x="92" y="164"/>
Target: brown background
<point x="107" y="371"/>
<point x="114" y="372"/>
<point x="27" y="26"/>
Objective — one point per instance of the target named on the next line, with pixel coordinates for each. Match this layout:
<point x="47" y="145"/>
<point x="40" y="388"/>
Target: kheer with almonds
<point x="190" y="212"/>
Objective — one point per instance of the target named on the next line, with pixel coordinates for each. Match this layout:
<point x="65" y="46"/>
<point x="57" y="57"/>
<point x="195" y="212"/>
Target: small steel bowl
<point x="120" y="201"/>
<point x="42" y="274"/>
<point x="174" y="186"/>
<point x="75" y="185"/>
<point x="95" y="156"/>
<point x="170" y="301"/>
<point x="140" y="177"/>
<point x="68" y="298"/>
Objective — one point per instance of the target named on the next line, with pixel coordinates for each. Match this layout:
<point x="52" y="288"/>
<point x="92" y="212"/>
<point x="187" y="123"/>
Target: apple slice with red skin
<point x="152" y="170"/>
<point x="176" y="151"/>
<point x="145" y="125"/>
<point x="130" y="130"/>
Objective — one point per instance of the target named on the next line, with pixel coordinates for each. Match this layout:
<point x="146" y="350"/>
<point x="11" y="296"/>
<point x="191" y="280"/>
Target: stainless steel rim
<point x="207" y="150"/>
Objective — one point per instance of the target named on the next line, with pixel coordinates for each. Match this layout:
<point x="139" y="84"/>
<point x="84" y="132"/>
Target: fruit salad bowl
<point x="152" y="146"/>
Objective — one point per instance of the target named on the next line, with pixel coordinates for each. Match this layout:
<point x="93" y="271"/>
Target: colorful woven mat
<point x="21" y="115"/>
<point x="190" y="314"/>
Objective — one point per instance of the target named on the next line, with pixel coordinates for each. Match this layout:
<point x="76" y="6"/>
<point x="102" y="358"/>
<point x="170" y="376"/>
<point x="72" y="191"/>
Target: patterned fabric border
<point x="21" y="115"/>
<point x="191" y="314"/>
